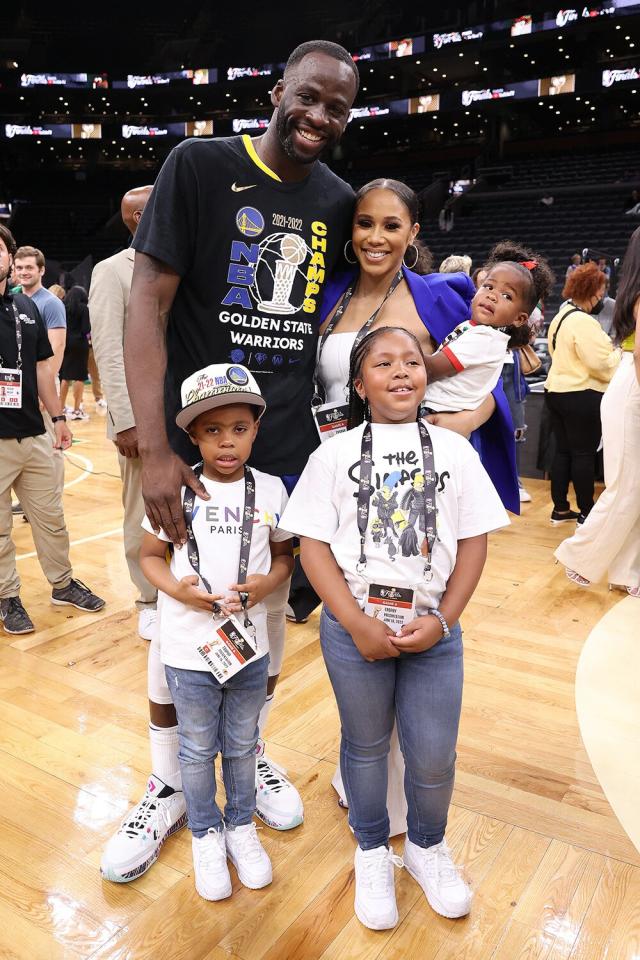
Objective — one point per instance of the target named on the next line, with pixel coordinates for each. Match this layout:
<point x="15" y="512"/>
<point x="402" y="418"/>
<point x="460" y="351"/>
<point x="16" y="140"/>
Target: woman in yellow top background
<point x="609" y="541"/>
<point x="583" y="362"/>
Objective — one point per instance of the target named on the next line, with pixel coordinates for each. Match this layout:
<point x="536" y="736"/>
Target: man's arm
<point x="49" y="396"/>
<point x="57" y="339"/>
<point x="153" y="290"/>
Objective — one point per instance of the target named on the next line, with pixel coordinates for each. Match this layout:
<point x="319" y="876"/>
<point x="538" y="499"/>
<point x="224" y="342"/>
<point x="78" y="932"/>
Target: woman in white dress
<point x="608" y="542"/>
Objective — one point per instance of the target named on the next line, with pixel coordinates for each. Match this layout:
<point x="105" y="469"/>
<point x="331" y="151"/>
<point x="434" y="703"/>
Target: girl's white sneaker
<point x="437" y="874"/>
<point x="375" y="900"/>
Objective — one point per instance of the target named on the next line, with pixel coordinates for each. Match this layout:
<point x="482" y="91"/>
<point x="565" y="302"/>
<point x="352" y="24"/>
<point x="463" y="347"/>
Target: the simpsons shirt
<point x="323" y="506"/>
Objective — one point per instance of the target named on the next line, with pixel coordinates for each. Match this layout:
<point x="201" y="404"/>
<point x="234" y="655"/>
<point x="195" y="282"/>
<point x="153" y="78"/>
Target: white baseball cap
<point x="217" y="385"/>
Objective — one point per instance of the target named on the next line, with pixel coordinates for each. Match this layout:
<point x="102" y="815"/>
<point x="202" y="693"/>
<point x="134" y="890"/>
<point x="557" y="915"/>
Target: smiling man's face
<point x="313" y="103"/>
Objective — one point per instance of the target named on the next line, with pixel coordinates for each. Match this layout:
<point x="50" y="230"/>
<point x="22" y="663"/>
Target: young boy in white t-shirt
<point x="212" y="616"/>
<point x="467" y="365"/>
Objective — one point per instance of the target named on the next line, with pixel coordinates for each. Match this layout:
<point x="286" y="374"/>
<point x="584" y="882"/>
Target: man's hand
<point x="188" y="592"/>
<point x="419" y="635"/>
<point x="63" y="435"/>
<point x="374" y="639"/>
<point x="127" y="443"/>
<point x="163" y="474"/>
<point x="257" y="586"/>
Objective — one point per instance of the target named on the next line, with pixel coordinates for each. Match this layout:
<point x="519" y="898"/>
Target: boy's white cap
<point x="217" y="385"/>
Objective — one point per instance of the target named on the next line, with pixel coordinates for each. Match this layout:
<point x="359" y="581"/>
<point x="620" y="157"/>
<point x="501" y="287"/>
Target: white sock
<point x="264" y="714"/>
<point x="164" y="755"/>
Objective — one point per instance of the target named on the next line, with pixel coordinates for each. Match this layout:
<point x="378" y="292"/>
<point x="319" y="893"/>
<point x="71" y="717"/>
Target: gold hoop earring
<point x="355" y="259"/>
<point x="417" y="253"/>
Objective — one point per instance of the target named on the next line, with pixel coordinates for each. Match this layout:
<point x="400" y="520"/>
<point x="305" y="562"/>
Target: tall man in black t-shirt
<point x="26" y="455"/>
<point x="231" y="256"/>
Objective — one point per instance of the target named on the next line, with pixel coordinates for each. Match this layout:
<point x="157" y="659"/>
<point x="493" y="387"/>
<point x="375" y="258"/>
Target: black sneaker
<point x="14" y="617"/>
<point x="77" y="594"/>
<point x="563" y="516"/>
<point x="17" y="510"/>
<point x="580" y="519"/>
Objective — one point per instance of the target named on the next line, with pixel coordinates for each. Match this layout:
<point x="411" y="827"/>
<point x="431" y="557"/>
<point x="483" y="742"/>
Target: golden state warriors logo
<point x="238" y="376"/>
<point x="250" y="222"/>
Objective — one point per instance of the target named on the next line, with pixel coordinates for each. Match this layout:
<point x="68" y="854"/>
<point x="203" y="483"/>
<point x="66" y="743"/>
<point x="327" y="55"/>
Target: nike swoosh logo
<point x="237" y="189"/>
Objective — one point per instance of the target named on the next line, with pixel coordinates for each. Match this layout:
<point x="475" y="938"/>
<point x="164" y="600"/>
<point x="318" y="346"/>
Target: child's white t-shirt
<point x="477" y="353"/>
<point x="217" y="527"/>
<point x="323" y="506"/>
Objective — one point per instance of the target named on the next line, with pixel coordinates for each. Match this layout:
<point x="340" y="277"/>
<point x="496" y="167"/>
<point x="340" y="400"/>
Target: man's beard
<point x="284" y="129"/>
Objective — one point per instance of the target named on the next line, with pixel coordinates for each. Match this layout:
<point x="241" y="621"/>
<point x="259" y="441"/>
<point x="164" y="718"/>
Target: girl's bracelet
<point x="434" y="612"/>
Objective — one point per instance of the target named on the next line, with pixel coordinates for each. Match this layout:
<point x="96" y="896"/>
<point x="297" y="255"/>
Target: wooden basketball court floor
<point x="555" y="875"/>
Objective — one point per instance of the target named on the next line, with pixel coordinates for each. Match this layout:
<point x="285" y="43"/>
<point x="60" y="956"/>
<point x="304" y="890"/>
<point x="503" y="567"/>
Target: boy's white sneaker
<point x="249" y="856"/>
<point x="375" y="899"/>
<point x="210" y="865"/>
<point x="147" y="623"/>
<point x="136" y="844"/>
<point x="278" y="803"/>
<point x="437" y="874"/>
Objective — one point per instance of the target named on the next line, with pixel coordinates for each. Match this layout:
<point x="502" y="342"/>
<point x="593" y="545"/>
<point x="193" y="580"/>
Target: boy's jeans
<point x="216" y="719"/>
<point x="423" y="692"/>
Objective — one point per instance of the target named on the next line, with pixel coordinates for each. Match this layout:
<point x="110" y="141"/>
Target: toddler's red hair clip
<point x="529" y="264"/>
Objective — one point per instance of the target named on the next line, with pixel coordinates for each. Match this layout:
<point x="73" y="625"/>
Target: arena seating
<point x="575" y="220"/>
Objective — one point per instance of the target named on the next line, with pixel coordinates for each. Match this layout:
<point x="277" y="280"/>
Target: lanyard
<point x="428" y="495"/>
<point x="245" y="543"/>
<point x="361" y="334"/>
<point x="16" y="316"/>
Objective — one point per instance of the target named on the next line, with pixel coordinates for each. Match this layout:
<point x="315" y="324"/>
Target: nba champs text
<point x="273" y="282"/>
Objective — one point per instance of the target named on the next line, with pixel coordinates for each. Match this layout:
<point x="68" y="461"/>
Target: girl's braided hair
<point x="359" y="408"/>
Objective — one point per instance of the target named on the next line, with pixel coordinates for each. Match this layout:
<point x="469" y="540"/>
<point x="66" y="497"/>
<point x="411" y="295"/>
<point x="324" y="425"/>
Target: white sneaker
<point x="375" y="900"/>
<point x="136" y="845"/>
<point x="438" y="876"/>
<point x="210" y="866"/>
<point x="101" y="405"/>
<point x="249" y="856"/>
<point x="278" y="803"/>
<point x="147" y="623"/>
<point x="79" y="415"/>
<point x="525" y="496"/>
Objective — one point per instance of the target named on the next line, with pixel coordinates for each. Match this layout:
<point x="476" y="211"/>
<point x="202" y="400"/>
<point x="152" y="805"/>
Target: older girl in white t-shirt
<point x="393" y="519"/>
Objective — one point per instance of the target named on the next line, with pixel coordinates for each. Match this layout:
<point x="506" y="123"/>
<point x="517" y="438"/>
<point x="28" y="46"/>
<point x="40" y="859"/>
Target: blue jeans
<point x="423" y="692"/>
<point x="216" y="719"/>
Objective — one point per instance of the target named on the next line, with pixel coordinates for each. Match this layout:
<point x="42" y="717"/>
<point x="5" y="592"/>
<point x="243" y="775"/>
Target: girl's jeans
<point x="216" y="719"/>
<point x="423" y="692"/>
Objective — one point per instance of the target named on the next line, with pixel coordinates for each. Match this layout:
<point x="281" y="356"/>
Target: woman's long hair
<point x="359" y="408"/>
<point x="628" y="290"/>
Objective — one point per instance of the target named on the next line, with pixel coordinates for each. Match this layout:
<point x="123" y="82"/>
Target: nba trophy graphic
<point x="289" y="252"/>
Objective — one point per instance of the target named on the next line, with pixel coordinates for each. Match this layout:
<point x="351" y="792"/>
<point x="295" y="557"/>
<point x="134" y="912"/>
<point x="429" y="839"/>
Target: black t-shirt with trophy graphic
<point x="253" y="254"/>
